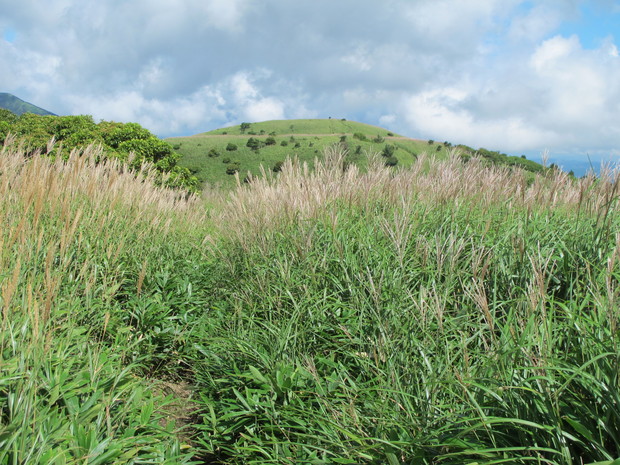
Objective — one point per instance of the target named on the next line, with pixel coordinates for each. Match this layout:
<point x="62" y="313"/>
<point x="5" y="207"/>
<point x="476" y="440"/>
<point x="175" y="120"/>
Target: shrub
<point x="391" y="161"/>
<point x="226" y="160"/>
<point x="378" y="140"/>
<point x="253" y="143"/>
<point x="213" y="153"/>
<point x="233" y="168"/>
<point x="270" y="141"/>
<point x="231" y="147"/>
<point x="388" y="151"/>
<point x="277" y="167"/>
<point x="360" y="136"/>
<point x="284" y="143"/>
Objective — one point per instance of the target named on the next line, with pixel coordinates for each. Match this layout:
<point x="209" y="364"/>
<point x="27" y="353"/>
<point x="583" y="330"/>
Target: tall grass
<point x="453" y="313"/>
<point x="74" y="235"/>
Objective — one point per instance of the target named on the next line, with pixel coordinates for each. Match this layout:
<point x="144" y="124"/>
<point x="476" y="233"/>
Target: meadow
<point x="215" y="156"/>
<point x="446" y="313"/>
<point x="303" y="140"/>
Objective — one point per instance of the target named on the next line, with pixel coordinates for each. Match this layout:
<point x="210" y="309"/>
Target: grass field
<point x="301" y="139"/>
<point x="450" y="313"/>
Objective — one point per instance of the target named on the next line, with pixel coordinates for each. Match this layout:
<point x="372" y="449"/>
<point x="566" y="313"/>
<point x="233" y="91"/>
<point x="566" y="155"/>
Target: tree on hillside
<point x="253" y="143"/>
<point x="388" y="151"/>
<point x="244" y="127"/>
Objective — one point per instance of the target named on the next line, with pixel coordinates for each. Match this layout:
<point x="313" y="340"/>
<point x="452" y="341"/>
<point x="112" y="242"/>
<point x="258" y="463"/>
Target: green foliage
<point x="388" y="151"/>
<point x="361" y="346"/>
<point x="7" y="116"/>
<point x="391" y="161"/>
<point x="399" y="329"/>
<point x="233" y="168"/>
<point x="151" y="150"/>
<point x="230" y="147"/>
<point x="244" y="127"/>
<point x="253" y="143"/>
<point x="213" y="153"/>
<point x="284" y="143"/>
<point x="277" y="167"/>
<point x="270" y="141"/>
<point x="120" y="140"/>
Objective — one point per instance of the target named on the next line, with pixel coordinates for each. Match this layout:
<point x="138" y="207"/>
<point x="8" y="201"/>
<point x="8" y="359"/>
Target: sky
<point x="521" y="77"/>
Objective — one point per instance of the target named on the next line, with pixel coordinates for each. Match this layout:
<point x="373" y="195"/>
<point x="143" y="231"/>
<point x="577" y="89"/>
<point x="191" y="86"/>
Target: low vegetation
<point x="455" y="312"/>
<point x="269" y="143"/>
<point x="57" y="136"/>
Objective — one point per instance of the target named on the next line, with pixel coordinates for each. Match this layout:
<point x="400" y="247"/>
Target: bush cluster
<point x="129" y="142"/>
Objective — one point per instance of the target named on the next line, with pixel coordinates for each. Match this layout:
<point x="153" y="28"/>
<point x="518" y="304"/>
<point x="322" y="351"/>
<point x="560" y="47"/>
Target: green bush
<point x="391" y="161"/>
<point x="231" y="147"/>
<point x="233" y="168"/>
<point x="253" y="143"/>
<point x="118" y="140"/>
<point x="388" y="151"/>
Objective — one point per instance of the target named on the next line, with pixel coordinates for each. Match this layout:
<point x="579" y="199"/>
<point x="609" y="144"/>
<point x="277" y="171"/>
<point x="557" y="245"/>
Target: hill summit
<point x="19" y="106"/>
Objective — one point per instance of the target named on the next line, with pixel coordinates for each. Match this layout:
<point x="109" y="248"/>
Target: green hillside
<point x="215" y="156"/>
<point x="19" y="106"/>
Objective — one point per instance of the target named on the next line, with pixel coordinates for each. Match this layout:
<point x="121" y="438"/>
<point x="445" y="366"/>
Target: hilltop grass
<point x="304" y="140"/>
<point x="305" y="126"/>
<point x="450" y="313"/>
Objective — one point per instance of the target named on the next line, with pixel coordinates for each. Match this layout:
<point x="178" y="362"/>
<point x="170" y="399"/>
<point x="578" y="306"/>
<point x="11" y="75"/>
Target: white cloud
<point x="264" y="109"/>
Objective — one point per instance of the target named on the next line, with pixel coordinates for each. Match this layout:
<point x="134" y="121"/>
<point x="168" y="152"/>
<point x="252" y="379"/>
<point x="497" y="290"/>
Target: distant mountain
<point x="19" y="107"/>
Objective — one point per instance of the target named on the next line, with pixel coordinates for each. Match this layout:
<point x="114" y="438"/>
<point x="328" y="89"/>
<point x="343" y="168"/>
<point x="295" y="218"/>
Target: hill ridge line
<point x="207" y="136"/>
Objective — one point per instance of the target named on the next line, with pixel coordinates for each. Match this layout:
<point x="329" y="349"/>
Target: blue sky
<point x="517" y="76"/>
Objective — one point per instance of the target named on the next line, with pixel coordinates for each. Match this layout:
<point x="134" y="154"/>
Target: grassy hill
<point x="19" y="106"/>
<point x="215" y="156"/>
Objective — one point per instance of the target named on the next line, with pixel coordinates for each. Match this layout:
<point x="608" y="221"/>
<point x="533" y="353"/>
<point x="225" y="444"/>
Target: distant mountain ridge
<point x="19" y="106"/>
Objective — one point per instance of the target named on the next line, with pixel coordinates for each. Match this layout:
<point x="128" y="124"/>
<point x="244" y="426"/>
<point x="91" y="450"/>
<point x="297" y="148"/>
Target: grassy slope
<point x="313" y="136"/>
